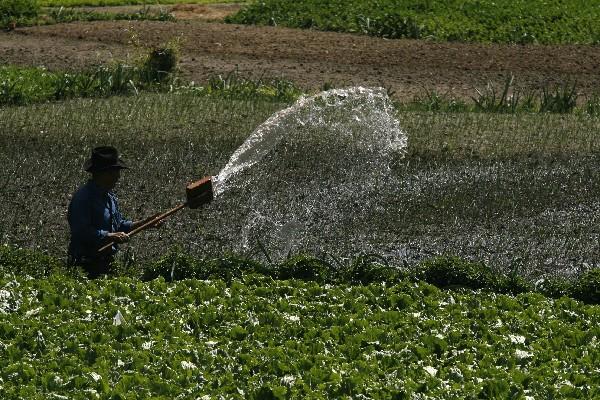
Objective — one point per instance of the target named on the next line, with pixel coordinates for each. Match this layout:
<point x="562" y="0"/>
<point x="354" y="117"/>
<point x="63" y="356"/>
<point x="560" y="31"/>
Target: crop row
<point x="501" y="21"/>
<point x="19" y="86"/>
<point x="102" y="3"/>
<point x="14" y="13"/>
<point x="30" y="12"/>
<point x="443" y="272"/>
<point x="256" y="338"/>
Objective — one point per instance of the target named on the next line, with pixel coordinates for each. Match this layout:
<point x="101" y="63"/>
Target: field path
<point x="309" y="58"/>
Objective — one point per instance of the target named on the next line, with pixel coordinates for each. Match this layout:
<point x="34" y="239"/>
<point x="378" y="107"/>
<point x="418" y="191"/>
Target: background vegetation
<point x="153" y="73"/>
<point x="17" y="13"/>
<point x="502" y="21"/>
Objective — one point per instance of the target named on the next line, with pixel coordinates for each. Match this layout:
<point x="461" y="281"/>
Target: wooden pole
<point x="148" y="224"/>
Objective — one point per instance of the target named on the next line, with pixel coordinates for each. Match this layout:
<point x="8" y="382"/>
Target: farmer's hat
<point x="103" y="158"/>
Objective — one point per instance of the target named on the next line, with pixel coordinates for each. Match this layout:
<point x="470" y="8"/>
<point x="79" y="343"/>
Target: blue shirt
<point x="93" y="213"/>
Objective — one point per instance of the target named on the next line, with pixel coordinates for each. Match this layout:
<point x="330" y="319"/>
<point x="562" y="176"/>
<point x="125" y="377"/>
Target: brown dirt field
<point x="309" y="58"/>
<point x="205" y="12"/>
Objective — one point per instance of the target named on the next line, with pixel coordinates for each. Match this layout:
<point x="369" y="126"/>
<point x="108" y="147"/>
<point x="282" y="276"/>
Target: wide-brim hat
<point x="103" y="158"/>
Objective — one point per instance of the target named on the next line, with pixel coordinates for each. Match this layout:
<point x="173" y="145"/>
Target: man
<point x="94" y="216"/>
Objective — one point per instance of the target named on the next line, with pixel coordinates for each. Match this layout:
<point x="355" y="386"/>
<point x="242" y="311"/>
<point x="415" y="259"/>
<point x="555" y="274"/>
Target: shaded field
<point x="519" y="192"/>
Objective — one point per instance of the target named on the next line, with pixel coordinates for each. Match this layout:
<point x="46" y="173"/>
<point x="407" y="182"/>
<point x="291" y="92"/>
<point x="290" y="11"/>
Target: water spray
<point x="306" y="112"/>
<point x="311" y="172"/>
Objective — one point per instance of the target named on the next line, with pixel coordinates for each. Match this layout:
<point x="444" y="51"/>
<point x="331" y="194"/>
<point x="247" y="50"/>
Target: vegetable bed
<point x="262" y="338"/>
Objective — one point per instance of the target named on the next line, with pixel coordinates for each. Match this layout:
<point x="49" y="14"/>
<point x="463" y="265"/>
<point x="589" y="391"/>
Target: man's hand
<point x="118" y="237"/>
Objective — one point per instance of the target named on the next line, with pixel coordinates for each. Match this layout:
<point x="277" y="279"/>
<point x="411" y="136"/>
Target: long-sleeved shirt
<point x="93" y="213"/>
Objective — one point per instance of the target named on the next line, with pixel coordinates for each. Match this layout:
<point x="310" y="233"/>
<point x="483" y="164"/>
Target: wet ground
<point x="535" y="211"/>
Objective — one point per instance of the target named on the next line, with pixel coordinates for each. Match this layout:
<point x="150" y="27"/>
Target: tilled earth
<point x="309" y="58"/>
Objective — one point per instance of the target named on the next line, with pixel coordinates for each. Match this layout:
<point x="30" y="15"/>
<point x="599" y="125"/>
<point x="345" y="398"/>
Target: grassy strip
<point x="65" y="15"/>
<point x="36" y="16"/>
<point x="443" y="272"/>
<point x="21" y="86"/>
<point x="502" y="21"/>
<point x="255" y="338"/>
<point x="560" y="99"/>
<point x="509" y="99"/>
<point x="102" y="3"/>
<point x="14" y="12"/>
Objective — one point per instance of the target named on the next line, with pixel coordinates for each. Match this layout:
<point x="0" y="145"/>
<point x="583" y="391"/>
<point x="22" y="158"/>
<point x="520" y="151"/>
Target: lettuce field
<point x="501" y="21"/>
<point x="260" y="338"/>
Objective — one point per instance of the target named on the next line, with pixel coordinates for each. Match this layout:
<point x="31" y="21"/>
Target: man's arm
<point x="123" y="225"/>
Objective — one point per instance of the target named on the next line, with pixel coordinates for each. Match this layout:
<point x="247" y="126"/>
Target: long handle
<point x="153" y="221"/>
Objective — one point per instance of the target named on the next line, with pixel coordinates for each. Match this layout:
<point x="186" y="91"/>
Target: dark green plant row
<point x="500" y="21"/>
<point x="21" y="86"/>
<point x="17" y="10"/>
<point x="444" y="272"/>
<point x="15" y="13"/>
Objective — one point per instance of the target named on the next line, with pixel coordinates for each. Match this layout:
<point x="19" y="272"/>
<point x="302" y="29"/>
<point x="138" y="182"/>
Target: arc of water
<point x="260" y="142"/>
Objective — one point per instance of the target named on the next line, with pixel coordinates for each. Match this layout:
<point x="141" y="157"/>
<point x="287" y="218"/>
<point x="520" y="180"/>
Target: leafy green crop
<point x="257" y="338"/>
<point x="443" y="272"/>
<point x="16" y="10"/>
<point x="501" y="21"/>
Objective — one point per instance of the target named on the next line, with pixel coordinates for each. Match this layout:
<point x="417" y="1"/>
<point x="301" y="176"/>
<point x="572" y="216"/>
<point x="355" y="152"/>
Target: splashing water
<point x="312" y="172"/>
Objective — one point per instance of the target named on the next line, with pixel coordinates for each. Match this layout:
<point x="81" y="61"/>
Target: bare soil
<point x="205" y="12"/>
<point x="309" y="58"/>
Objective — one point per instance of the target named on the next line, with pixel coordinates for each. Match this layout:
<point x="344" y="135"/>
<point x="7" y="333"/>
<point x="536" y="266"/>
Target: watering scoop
<point x="197" y="193"/>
